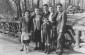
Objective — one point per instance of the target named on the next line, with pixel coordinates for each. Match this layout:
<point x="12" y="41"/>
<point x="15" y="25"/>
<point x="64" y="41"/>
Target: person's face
<point x="36" y="11"/>
<point x="45" y="8"/>
<point x="59" y="8"/>
<point x="26" y="14"/>
<point x="51" y="9"/>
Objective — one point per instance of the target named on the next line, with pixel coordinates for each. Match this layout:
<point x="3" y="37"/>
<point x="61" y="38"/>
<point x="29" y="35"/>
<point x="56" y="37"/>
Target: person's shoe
<point x="48" y="52"/>
<point x="36" y="48"/>
<point x="39" y="48"/>
<point x="21" y="50"/>
<point x="27" y="52"/>
<point x="48" y="49"/>
<point x="59" y="53"/>
<point x="45" y="51"/>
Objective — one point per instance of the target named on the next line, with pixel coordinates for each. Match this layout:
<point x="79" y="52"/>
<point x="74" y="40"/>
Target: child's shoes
<point x="21" y="50"/>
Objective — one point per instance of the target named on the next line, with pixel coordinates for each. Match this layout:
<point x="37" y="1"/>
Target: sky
<point x="45" y="1"/>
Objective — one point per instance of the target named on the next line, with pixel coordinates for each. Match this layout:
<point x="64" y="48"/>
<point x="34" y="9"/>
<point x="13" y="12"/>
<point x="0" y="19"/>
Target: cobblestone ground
<point x="9" y="46"/>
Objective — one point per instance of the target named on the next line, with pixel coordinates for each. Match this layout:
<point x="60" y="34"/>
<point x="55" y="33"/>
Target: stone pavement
<point x="10" y="46"/>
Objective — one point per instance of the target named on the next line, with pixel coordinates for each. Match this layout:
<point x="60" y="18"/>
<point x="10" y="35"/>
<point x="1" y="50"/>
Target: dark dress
<point x="37" y="20"/>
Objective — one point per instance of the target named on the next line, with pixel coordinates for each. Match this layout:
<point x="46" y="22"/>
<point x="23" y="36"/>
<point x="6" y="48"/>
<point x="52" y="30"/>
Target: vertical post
<point x="17" y="12"/>
<point x="17" y="2"/>
<point x="38" y="3"/>
<point x="19" y="27"/>
<point x="82" y="35"/>
<point x="20" y="13"/>
<point x="25" y="5"/>
<point x="32" y="4"/>
<point x="77" y="39"/>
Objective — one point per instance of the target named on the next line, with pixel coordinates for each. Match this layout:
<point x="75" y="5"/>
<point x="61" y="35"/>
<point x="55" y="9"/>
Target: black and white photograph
<point x="42" y="27"/>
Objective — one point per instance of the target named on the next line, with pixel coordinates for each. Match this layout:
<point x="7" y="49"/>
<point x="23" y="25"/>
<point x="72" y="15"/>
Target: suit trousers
<point x="60" y="42"/>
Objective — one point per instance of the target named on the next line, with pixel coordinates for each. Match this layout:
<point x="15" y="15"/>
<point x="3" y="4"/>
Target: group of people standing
<point x="47" y="27"/>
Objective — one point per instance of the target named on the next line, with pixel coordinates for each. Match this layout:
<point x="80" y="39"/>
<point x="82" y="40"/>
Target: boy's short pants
<point x="26" y="41"/>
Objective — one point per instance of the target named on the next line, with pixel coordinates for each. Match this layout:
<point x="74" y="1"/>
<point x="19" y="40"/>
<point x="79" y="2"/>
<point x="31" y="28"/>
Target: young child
<point x="25" y="39"/>
<point x="45" y="34"/>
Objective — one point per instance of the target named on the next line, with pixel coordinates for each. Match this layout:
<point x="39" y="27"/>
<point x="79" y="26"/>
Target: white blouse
<point x="50" y="17"/>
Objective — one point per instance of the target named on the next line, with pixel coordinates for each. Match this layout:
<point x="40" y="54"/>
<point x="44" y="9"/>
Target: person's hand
<point x="60" y="30"/>
<point x="21" y="41"/>
<point x="51" y="21"/>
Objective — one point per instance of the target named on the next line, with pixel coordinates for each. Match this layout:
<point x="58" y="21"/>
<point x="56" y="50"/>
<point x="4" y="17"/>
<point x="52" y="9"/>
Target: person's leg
<point x="45" y="49"/>
<point x="27" y="47"/>
<point x="69" y="27"/>
<point x="45" y="43"/>
<point x="51" y="36"/>
<point x="22" y="49"/>
<point x="60" y="44"/>
<point x="48" y="43"/>
<point x="43" y="40"/>
<point x="39" y="39"/>
<point x="54" y="36"/>
<point x="36" y="42"/>
<point x="36" y="46"/>
<point x="48" y="49"/>
<point x="22" y="42"/>
<point x="70" y="35"/>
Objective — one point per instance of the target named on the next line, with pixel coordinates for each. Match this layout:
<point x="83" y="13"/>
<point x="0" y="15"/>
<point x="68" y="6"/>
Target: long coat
<point x="45" y="33"/>
<point x="60" y="21"/>
<point x="37" y="21"/>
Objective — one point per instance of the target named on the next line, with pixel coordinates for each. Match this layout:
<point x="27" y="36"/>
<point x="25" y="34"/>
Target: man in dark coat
<point x="61" y="18"/>
<point x="45" y="13"/>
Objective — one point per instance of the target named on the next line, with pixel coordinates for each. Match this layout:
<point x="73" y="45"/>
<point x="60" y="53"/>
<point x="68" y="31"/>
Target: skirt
<point x="37" y="35"/>
<point x="26" y="41"/>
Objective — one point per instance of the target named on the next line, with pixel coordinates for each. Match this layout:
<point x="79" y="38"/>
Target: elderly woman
<point x="37" y="20"/>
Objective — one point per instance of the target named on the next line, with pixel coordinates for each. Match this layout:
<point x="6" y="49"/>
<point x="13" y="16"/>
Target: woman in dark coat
<point x="26" y="24"/>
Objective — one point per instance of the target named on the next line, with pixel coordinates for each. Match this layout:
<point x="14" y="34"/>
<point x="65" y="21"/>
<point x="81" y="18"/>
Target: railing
<point x="77" y="22"/>
<point x="10" y="26"/>
<point x="80" y="38"/>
